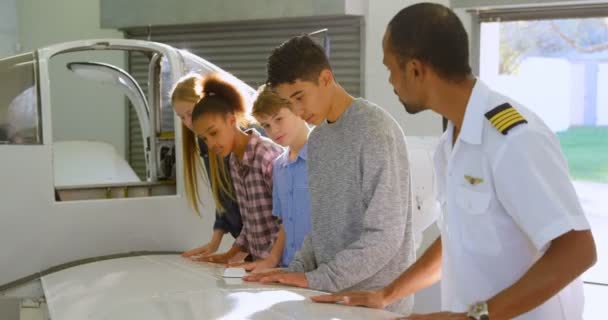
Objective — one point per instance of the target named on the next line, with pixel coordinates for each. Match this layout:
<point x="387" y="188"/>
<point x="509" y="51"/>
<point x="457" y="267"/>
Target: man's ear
<point x="325" y="77"/>
<point x="231" y="119"/>
<point x="418" y="68"/>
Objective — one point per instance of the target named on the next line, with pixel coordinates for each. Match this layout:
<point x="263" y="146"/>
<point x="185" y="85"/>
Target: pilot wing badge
<point x="473" y="180"/>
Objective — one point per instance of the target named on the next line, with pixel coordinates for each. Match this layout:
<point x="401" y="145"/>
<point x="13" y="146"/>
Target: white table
<point x="171" y="287"/>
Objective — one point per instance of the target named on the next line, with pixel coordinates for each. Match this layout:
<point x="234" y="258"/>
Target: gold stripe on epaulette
<point x="505" y="118"/>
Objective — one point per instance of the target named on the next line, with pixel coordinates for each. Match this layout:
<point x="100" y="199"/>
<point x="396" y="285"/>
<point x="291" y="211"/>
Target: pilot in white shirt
<point x="505" y="194"/>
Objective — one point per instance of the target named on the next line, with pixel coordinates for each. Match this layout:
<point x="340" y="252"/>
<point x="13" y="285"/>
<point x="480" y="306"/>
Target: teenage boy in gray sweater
<point x="359" y="181"/>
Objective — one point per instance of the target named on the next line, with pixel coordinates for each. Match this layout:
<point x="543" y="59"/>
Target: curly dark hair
<point x="218" y="96"/>
<point x="299" y="58"/>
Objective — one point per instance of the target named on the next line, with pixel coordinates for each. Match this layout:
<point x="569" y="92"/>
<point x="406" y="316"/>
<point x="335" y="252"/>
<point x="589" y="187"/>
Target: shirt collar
<point x="472" y="124"/>
<point x="303" y="154"/>
<point x="249" y="155"/>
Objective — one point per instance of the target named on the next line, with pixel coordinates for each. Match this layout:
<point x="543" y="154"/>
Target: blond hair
<point x="191" y="89"/>
<point x="268" y="103"/>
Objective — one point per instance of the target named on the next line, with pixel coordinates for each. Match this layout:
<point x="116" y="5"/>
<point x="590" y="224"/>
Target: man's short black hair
<point x="433" y="34"/>
<point x="297" y="58"/>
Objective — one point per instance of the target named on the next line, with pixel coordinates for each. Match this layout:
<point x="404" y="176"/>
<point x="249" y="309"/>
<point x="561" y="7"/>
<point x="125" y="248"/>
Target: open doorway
<point x="558" y="67"/>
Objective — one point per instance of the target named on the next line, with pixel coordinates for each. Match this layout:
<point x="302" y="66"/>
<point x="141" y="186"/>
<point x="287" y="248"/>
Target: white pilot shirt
<point x="504" y="198"/>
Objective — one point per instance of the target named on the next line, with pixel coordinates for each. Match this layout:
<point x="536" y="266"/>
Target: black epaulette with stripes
<point x="505" y="117"/>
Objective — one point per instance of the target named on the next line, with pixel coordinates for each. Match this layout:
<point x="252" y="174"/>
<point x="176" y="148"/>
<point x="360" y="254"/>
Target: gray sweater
<point x="361" y="237"/>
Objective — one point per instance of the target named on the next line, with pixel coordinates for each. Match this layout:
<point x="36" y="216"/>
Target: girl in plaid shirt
<point x="184" y="95"/>
<point x="217" y="118"/>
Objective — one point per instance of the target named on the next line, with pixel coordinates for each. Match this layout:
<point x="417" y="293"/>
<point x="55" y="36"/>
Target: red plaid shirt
<point x="252" y="179"/>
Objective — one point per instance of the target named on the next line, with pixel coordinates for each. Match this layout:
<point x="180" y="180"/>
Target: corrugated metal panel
<point x="242" y="49"/>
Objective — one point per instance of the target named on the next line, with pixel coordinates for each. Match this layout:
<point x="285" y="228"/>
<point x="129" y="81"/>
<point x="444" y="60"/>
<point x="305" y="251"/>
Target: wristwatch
<point x="479" y="311"/>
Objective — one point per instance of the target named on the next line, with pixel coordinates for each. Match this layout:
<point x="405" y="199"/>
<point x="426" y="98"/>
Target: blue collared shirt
<point x="291" y="201"/>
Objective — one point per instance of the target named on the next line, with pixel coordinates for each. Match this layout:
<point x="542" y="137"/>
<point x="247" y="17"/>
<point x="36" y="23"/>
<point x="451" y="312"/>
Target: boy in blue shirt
<point x="290" y="196"/>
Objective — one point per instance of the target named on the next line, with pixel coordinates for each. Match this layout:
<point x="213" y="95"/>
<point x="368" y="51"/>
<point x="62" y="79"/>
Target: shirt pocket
<point x="301" y="191"/>
<point x="478" y="225"/>
<point x="302" y="204"/>
<point x="473" y="202"/>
